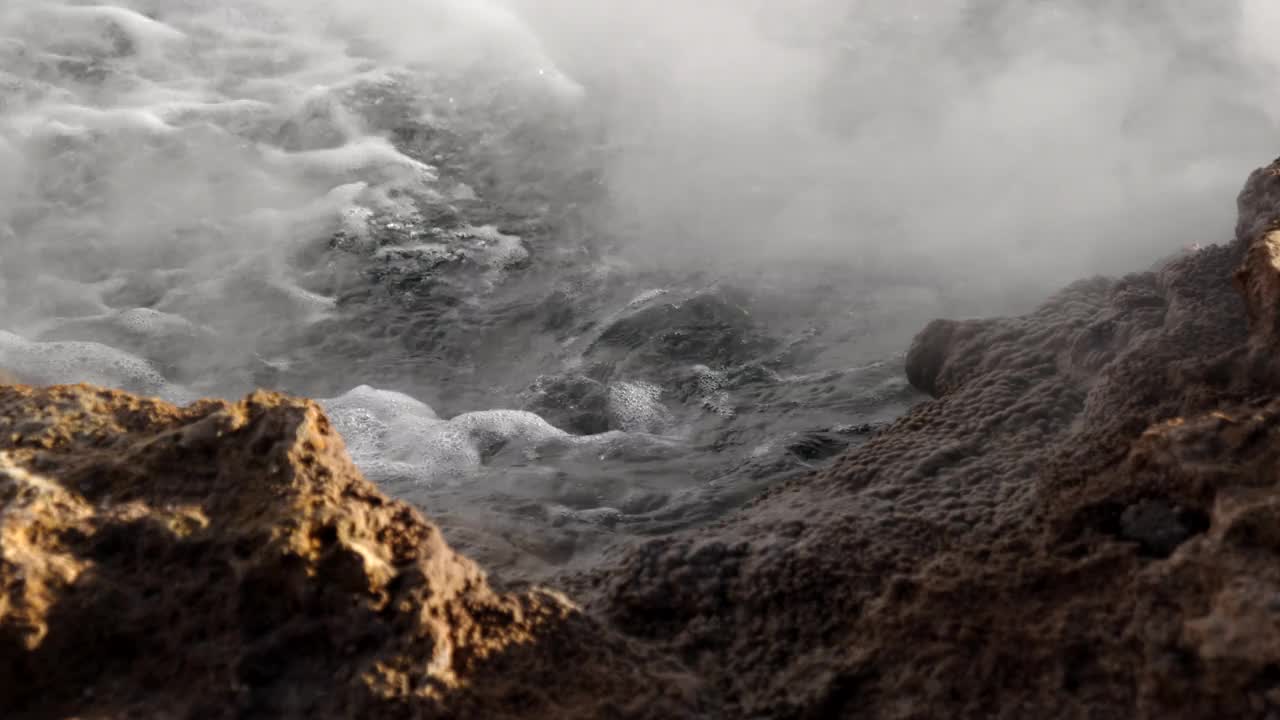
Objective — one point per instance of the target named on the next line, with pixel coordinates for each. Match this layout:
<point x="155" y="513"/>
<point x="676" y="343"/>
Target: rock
<point x="1258" y="277"/>
<point x="227" y="560"/>
<point x="1159" y="526"/>
<point x="1082" y="524"/>
<point x="927" y="353"/>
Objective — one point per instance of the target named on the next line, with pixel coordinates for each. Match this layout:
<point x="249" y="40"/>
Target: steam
<point x="1004" y="145"/>
<point x="1259" y="20"/>
<point x="175" y="155"/>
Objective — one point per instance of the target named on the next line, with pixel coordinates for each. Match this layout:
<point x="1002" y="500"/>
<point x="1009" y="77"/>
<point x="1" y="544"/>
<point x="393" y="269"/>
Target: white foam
<point x="52" y="363"/>
<point x="507" y="426"/>
<point x="153" y="323"/>
<point x="711" y="388"/>
<point x="637" y="407"/>
<point x="145" y="325"/>
<point x="373" y="157"/>
<point x="212" y="136"/>
<point x="393" y="437"/>
<point x="389" y="404"/>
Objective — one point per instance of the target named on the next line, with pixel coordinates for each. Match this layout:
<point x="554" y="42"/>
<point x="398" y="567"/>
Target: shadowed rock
<point x="1080" y="525"/>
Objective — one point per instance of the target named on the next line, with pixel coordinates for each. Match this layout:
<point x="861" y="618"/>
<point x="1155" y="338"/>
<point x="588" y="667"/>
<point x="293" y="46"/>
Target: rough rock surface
<point x="1082" y="524"/>
<point x="228" y="561"/>
<point x="1085" y="522"/>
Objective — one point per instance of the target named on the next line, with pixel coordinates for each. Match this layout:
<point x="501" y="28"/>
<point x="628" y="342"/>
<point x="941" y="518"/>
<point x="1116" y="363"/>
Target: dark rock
<point x="1007" y="550"/>
<point x="1157" y="525"/>
<point x="816" y="445"/>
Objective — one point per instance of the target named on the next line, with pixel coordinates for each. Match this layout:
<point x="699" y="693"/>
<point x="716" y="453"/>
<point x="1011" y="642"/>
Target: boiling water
<point x="565" y="275"/>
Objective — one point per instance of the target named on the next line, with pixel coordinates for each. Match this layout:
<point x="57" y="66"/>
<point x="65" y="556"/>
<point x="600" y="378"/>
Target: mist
<point x="1003" y="146"/>
<point x="562" y="271"/>
<point x="176" y="156"/>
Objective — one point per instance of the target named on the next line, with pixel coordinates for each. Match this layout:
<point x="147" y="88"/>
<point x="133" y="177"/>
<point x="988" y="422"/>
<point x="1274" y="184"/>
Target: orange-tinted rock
<point x="226" y="560"/>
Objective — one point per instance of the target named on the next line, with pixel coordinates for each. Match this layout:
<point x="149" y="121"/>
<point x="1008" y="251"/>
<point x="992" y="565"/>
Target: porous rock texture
<point x="1085" y="522"/>
<point x="227" y="560"/>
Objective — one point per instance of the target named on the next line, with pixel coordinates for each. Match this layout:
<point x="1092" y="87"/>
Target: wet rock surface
<point x="1082" y="523"/>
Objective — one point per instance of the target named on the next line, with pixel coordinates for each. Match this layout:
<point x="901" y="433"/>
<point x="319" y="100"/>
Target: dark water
<point x="713" y="382"/>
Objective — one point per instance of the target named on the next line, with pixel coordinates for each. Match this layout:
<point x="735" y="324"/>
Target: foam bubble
<point x="385" y="426"/>
<point x="52" y="363"/>
<point x="393" y="436"/>
<point x="637" y="406"/>
<point x="388" y="404"/>
<point x="495" y="428"/>
<point x="149" y="333"/>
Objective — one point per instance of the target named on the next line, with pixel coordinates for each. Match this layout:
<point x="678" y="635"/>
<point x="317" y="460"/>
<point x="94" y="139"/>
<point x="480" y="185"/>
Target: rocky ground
<point x="1081" y="524"/>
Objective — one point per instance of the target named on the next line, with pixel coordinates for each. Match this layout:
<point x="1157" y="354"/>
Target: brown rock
<point x="226" y="560"/>
<point x="1081" y="525"/>
<point x="1258" y="277"/>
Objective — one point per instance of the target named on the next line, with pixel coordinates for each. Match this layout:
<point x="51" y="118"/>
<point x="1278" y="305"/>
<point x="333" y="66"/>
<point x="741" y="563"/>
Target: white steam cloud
<point x="1009" y="145"/>
<point x="172" y="154"/>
